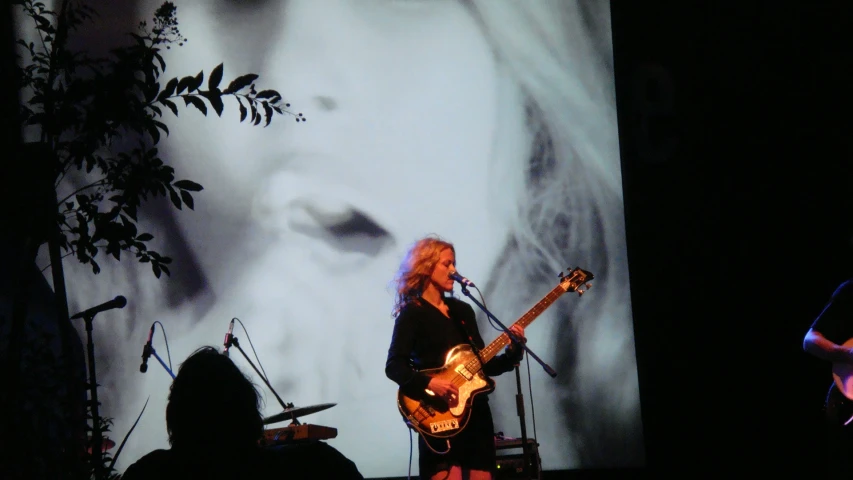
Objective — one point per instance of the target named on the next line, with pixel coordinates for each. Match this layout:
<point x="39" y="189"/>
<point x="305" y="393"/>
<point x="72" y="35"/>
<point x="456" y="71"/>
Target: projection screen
<point x="489" y="123"/>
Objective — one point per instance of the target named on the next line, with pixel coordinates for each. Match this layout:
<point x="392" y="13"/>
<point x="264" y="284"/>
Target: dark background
<point x="738" y="212"/>
<point x="736" y="145"/>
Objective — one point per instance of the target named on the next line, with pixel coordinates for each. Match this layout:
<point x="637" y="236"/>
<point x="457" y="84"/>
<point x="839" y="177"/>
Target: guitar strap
<point x="463" y="327"/>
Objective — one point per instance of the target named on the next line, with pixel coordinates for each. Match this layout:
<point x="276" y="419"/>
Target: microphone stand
<point x="232" y="340"/>
<point x="153" y="352"/>
<point x="519" y="399"/>
<point x="97" y="440"/>
<point x="88" y="316"/>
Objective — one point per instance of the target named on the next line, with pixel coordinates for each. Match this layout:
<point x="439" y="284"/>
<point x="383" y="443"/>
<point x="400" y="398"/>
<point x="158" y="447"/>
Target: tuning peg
<point x="580" y="292"/>
<point x="588" y="286"/>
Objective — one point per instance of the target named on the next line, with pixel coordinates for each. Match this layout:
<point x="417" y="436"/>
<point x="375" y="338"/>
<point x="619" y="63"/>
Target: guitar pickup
<point x="463" y="370"/>
<point x="444" y="425"/>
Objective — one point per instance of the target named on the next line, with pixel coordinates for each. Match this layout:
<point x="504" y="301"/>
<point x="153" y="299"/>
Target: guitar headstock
<point x="575" y="279"/>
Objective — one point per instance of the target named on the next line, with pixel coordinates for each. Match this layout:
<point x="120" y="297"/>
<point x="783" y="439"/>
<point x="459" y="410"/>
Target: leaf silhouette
<point x="196" y="102"/>
<point x="187" y="198"/>
<point x="188" y="185"/>
<point x="215" y="101"/>
<point x="267" y="113"/>
<point x="127" y="435"/>
<point x="169" y="89"/>
<point x="184" y="84"/>
<point x="240" y="83"/>
<point x="243" y="111"/>
<point x="215" y="77"/>
<point x="196" y="82"/>
<point x="267" y="94"/>
<point x="171" y="105"/>
<point x="176" y="200"/>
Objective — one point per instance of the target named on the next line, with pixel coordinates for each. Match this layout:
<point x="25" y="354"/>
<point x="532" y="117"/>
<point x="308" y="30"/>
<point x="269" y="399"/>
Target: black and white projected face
<point x="491" y="124"/>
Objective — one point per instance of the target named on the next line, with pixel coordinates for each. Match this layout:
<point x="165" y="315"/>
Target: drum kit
<point x="296" y="431"/>
<point x="291" y="413"/>
<point x="292" y="433"/>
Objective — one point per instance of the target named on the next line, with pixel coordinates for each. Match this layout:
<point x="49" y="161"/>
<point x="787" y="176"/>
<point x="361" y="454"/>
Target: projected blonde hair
<point x="415" y="270"/>
<point x="570" y="209"/>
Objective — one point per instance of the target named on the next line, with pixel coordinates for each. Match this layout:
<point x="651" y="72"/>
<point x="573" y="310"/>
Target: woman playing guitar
<point x="428" y="324"/>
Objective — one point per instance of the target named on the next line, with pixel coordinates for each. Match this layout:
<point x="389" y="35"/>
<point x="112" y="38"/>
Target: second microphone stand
<point x="149" y="350"/>
<point x="232" y="340"/>
<point x="519" y="399"/>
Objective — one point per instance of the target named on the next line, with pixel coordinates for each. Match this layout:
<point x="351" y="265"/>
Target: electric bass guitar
<point x="432" y="415"/>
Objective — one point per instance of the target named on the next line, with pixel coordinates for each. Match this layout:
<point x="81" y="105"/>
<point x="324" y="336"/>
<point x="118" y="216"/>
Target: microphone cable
<point x="165" y="339"/>
<point x="253" y="348"/>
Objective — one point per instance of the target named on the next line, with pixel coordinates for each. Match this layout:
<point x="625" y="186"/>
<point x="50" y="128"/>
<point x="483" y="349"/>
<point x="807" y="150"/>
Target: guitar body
<point x="839" y="405"/>
<point x="432" y="415"/>
<point x="842" y="374"/>
<point x="838" y="408"/>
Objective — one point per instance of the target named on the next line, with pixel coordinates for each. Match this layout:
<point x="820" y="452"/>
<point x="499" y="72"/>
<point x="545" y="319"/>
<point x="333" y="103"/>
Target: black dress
<point x="421" y="338"/>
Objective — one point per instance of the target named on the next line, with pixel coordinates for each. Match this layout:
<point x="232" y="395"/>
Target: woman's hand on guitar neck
<point x="518" y="331"/>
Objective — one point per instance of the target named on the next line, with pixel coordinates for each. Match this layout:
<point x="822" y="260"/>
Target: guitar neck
<point x="503" y="339"/>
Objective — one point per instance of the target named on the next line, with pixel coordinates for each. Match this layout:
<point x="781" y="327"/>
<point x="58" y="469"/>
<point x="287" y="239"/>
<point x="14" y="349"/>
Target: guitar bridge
<point x="444" y="425"/>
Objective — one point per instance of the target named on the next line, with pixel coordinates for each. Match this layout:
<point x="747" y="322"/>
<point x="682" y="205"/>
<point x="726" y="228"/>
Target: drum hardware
<point x="291" y="413"/>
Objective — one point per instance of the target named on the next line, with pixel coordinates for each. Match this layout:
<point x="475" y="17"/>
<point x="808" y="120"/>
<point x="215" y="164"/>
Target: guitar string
<point x="475" y="365"/>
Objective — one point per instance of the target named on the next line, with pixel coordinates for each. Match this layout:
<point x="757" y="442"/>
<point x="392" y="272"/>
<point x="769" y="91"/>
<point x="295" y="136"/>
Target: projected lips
<point x="289" y="206"/>
<point x="345" y="227"/>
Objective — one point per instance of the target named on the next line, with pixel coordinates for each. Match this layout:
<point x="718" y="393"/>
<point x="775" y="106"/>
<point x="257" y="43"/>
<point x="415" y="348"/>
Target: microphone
<point x="146" y="350"/>
<point x="118" y="302"/>
<point x="462" y="280"/>
<point x="228" y="335"/>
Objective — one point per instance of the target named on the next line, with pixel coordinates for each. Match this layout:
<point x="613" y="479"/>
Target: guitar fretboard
<point x="503" y="340"/>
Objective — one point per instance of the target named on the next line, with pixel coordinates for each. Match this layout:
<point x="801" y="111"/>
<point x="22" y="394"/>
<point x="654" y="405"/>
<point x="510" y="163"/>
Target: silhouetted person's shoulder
<point x="168" y="465"/>
<point x="152" y="465"/>
<point x="314" y="460"/>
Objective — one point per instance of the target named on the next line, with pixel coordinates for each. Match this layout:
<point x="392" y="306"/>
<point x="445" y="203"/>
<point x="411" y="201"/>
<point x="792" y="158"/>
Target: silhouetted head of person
<point x="212" y="406"/>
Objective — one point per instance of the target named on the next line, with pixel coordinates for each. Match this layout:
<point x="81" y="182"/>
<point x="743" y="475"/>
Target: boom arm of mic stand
<point x="233" y="341"/>
<point x="168" y="370"/>
<point x="519" y="399"/>
<point x="550" y="371"/>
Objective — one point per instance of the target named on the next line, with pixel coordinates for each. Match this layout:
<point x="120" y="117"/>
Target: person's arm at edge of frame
<point x="816" y="344"/>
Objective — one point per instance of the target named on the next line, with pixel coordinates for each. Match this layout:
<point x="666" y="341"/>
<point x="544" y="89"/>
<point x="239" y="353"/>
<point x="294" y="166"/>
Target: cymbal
<point x="293" y="412"/>
<point x="106" y="444"/>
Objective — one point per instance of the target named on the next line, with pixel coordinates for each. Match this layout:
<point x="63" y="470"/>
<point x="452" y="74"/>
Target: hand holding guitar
<point x="518" y="331"/>
<point x="445" y="389"/>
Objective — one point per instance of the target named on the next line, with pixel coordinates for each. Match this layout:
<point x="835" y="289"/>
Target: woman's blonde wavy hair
<point x="416" y="269"/>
